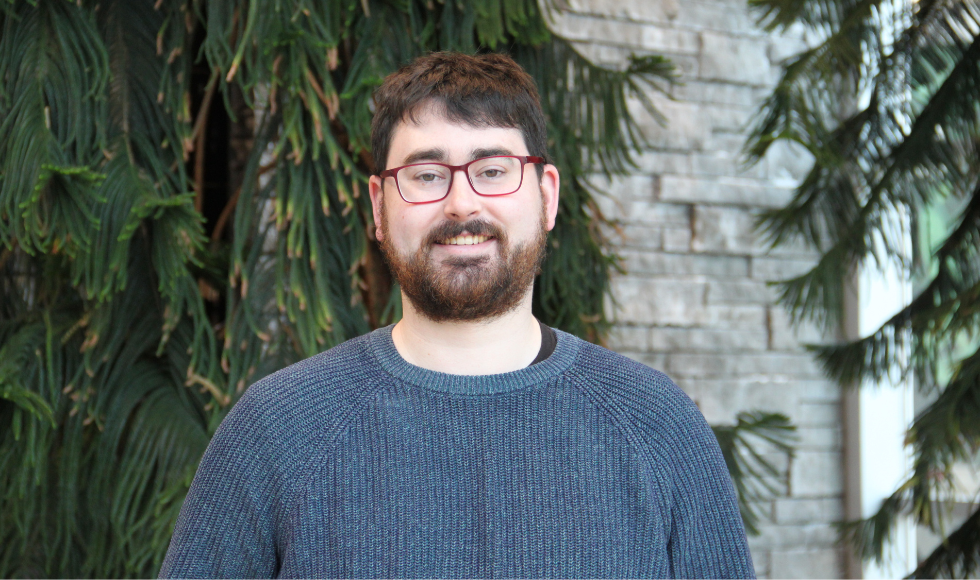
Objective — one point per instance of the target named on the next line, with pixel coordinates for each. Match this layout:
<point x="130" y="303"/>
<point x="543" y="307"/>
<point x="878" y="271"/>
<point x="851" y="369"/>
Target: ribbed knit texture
<point x="355" y="463"/>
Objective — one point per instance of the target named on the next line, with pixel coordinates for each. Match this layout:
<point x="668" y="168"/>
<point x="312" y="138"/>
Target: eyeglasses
<point x="431" y="182"/>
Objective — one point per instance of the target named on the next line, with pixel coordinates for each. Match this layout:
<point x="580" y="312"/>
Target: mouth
<point x="464" y="240"/>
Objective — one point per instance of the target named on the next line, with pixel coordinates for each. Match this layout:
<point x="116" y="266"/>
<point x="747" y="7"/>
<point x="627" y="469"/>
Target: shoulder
<point x="306" y="397"/>
<point x="631" y="383"/>
<point x="282" y="415"/>
<point x="652" y="411"/>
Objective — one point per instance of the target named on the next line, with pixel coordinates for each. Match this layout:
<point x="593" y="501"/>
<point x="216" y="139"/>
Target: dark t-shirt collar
<point x="548" y="342"/>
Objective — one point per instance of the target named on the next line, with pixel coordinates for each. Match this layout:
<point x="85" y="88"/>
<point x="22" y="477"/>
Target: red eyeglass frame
<point x="524" y="159"/>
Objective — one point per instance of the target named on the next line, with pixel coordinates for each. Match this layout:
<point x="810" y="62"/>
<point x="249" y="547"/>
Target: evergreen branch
<point x="818" y="290"/>
<point x="821" y="14"/>
<point x="839" y="57"/>
<point x="942" y="434"/>
<point x="824" y="206"/>
<point x="53" y="69"/>
<point x="947" y="305"/>
<point x="946" y="430"/>
<point x="751" y="471"/>
<point x="869" y="536"/>
<point x="958" y="556"/>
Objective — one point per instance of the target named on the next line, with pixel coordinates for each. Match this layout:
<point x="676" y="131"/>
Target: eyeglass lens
<point x="488" y="176"/>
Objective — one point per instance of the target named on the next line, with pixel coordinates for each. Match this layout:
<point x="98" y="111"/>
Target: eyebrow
<point x="440" y="155"/>
<point x="434" y="154"/>
<point x="478" y="153"/>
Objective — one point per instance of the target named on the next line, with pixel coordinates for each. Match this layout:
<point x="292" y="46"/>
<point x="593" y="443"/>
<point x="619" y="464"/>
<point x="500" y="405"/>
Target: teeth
<point x="466" y="240"/>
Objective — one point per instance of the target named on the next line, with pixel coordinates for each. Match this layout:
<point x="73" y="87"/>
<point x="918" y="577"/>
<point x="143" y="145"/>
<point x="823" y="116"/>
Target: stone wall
<point x="694" y="300"/>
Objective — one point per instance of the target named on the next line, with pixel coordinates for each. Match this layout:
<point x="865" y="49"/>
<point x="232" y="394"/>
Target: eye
<point x="427" y="175"/>
<point x="491" y="172"/>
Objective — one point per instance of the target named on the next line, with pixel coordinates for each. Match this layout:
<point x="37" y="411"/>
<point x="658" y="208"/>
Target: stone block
<point x="792" y="249"/>
<point x="788" y="510"/>
<point x="787" y="163"/>
<point x="669" y="40"/>
<point x="676" y="239"/>
<point x="664" y="162"/>
<point x="723" y="94"/>
<point x="659" y="301"/>
<point x="819" y="438"/>
<point x="760" y="558"/>
<point x="682" y="127"/>
<point x="787" y="44"/>
<point x="816" y="474"/>
<point x="595" y="28"/>
<point x="629" y="338"/>
<point x="722" y="16"/>
<point x="735" y="59"/>
<point x="785" y="336"/>
<point x="637" y="10"/>
<point x="733" y="317"/>
<point x="739" y="292"/>
<point x="732" y="143"/>
<point x="646" y="212"/>
<point x="727" y="191"/>
<point x="651" y="359"/>
<point x="686" y="65"/>
<point x="712" y="164"/>
<point x="721" y="399"/>
<point x="823" y="391"/>
<point x="673" y="339"/>
<point x="807" y="563"/>
<point x="788" y="537"/>
<point x="614" y="57"/>
<point x="611" y="207"/>
<point x="679" y="301"/>
<point x="624" y="187"/>
<point x="641" y="236"/>
<point x="724" y="230"/>
<point x="724" y="163"/>
<point x="660" y="263"/>
<point x="770" y="268"/>
<point x="727" y="118"/>
<point x="763" y="367"/>
<point x="819" y="414"/>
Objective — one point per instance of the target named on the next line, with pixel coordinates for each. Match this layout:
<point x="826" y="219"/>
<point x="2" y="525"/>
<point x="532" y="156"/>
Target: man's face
<point x="466" y="257"/>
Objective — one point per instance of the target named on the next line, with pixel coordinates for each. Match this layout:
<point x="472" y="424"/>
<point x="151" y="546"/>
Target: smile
<point x="464" y="240"/>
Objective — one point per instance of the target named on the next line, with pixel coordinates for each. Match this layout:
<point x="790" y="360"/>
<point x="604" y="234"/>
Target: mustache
<point x="478" y="227"/>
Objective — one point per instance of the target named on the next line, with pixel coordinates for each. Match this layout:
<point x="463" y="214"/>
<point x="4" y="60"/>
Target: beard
<point x="465" y="289"/>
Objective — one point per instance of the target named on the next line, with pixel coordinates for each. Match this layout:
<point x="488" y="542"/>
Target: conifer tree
<point x="887" y="100"/>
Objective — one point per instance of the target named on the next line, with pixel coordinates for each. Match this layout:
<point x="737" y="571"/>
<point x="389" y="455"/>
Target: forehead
<point x="432" y="131"/>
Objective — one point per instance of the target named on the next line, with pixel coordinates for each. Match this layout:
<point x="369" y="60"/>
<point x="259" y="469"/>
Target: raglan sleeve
<point x="707" y="536"/>
<point x="226" y="526"/>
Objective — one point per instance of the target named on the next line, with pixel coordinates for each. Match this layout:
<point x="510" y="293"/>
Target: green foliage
<point x="125" y="332"/>
<point x="757" y="478"/>
<point x="887" y="103"/>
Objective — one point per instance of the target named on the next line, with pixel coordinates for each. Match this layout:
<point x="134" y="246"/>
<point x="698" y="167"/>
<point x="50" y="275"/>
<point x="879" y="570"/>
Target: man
<point x="468" y="439"/>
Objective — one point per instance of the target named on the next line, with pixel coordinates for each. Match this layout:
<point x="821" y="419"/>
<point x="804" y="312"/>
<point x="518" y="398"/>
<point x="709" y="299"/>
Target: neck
<point x="480" y="347"/>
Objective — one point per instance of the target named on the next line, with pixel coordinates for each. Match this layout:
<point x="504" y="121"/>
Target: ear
<point x="376" y="189"/>
<point x="550" y="182"/>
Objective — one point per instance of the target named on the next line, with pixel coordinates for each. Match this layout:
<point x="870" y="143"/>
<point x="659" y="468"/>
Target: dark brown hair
<point x="487" y="90"/>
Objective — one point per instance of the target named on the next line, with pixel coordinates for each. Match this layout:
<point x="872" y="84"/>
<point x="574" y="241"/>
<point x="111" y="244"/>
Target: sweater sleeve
<point x="707" y="536"/>
<point x="225" y="528"/>
<point x="703" y="527"/>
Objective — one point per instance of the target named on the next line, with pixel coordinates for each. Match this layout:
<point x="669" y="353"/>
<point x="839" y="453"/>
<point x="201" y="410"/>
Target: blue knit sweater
<point x="355" y="463"/>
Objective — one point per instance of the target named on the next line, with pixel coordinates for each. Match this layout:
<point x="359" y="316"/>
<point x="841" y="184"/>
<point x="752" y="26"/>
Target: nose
<point x="462" y="203"/>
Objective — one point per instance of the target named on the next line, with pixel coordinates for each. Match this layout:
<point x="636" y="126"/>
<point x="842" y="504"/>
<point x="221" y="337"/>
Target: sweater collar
<point x="382" y="346"/>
